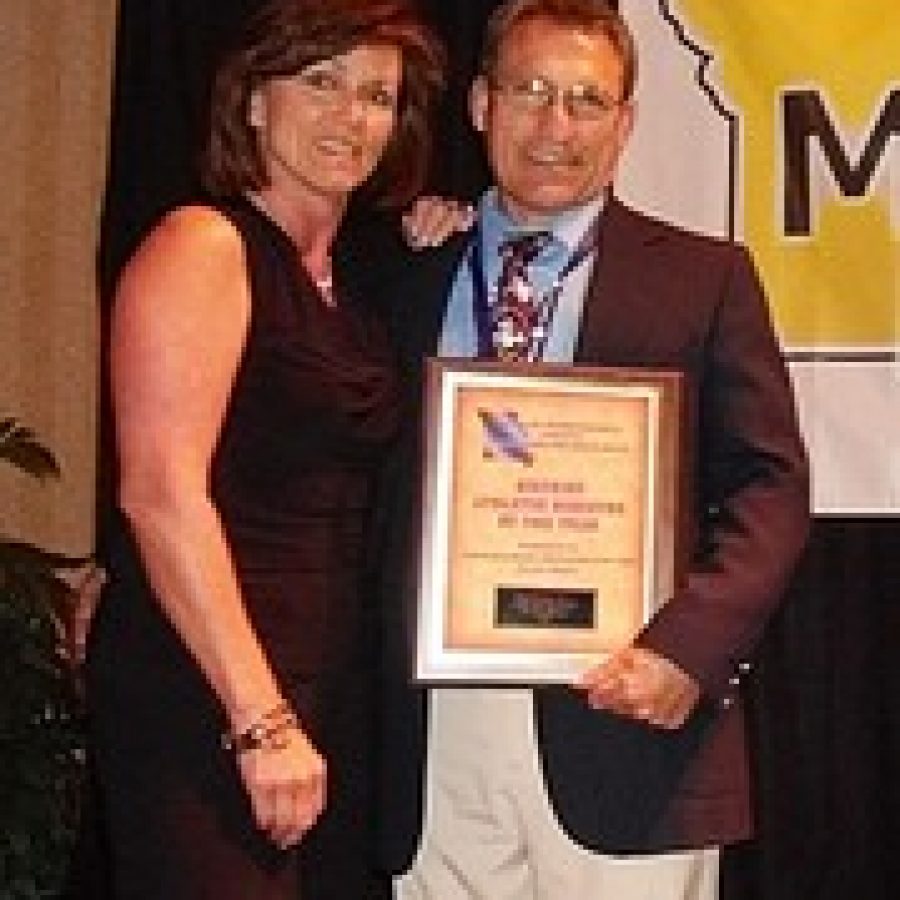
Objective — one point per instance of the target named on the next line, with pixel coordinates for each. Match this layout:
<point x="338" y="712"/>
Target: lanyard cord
<point x="546" y="303"/>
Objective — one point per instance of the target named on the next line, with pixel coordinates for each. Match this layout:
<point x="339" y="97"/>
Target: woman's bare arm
<point x="179" y="326"/>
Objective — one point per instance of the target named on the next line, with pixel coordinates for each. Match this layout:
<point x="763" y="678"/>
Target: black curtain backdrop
<point x="825" y="705"/>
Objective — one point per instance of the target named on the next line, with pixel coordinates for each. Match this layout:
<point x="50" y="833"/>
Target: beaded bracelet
<point x="268" y="732"/>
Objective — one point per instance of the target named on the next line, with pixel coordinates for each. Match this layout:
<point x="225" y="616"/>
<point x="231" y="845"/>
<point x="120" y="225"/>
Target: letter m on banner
<point x="805" y="120"/>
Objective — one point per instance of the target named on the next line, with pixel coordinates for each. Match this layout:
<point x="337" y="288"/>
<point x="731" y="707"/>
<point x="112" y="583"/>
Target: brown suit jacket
<point x="659" y="297"/>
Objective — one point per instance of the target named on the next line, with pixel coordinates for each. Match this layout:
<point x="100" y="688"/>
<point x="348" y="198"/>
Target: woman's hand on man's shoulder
<point x="432" y="221"/>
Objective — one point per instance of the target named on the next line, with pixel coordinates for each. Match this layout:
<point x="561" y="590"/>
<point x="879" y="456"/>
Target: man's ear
<point x="256" y="114"/>
<point x="628" y="117"/>
<point x="478" y="103"/>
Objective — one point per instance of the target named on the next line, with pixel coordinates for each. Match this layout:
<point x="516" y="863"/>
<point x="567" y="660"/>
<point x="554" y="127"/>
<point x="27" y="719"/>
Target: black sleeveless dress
<point x="314" y="405"/>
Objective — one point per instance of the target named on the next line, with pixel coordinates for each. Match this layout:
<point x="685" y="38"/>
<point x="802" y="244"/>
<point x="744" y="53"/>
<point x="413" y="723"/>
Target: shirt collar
<point x="567" y="228"/>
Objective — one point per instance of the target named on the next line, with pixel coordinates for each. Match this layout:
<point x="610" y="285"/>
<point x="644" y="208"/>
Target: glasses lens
<point x="581" y="101"/>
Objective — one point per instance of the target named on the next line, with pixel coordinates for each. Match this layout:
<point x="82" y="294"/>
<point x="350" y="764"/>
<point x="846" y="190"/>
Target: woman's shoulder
<point x="194" y="246"/>
<point x="198" y="223"/>
<point x="187" y="235"/>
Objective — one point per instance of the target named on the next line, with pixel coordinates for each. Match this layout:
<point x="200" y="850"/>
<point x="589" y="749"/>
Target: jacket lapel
<point x="621" y="311"/>
<point x="421" y="300"/>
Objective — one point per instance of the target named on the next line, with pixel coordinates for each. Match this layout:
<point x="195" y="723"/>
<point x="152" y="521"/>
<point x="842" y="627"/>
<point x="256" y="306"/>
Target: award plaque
<point x="550" y="516"/>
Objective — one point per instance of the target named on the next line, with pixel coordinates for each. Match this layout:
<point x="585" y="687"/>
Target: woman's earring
<point x="256" y="117"/>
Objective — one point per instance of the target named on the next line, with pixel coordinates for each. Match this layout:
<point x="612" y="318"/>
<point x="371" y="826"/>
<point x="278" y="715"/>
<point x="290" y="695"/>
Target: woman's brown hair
<point x="284" y="37"/>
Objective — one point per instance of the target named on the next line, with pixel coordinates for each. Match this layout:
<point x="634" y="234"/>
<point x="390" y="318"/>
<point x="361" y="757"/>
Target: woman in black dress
<point x="253" y="395"/>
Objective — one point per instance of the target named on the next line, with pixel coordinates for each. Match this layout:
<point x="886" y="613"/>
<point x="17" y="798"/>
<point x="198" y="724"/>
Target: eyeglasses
<point x="583" y="102"/>
<point x="326" y="88"/>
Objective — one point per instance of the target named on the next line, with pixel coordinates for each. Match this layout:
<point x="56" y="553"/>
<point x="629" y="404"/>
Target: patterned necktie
<point x="516" y="310"/>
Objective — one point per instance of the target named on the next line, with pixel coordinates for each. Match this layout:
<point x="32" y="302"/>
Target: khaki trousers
<point x="490" y="833"/>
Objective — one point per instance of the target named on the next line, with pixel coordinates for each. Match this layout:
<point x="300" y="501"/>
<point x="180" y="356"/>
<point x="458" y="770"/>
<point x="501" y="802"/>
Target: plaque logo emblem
<point x="504" y="436"/>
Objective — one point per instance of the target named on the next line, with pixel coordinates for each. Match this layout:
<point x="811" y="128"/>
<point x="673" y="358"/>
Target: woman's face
<point x="325" y="128"/>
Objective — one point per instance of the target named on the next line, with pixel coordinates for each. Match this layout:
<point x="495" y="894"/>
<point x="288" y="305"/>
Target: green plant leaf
<point x="20" y="447"/>
<point x="41" y="725"/>
<point x="21" y="554"/>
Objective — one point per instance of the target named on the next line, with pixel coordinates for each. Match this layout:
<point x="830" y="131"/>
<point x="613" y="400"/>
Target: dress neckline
<point x="327" y="300"/>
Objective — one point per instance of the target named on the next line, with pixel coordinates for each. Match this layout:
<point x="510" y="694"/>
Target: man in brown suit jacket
<point x="627" y="783"/>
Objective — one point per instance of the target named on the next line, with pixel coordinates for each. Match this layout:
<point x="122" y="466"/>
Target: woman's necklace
<point x="323" y="282"/>
<point x="325" y="286"/>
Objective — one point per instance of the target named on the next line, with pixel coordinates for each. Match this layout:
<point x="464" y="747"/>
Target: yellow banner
<point x="816" y="86"/>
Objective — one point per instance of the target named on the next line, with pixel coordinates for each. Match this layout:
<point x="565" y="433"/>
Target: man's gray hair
<point x="586" y="15"/>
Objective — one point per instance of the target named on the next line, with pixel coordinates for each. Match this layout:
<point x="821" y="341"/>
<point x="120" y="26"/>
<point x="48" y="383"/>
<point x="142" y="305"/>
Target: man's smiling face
<point x="548" y="157"/>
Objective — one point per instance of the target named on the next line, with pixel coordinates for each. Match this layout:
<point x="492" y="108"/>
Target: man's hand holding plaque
<point x="640" y="684"/>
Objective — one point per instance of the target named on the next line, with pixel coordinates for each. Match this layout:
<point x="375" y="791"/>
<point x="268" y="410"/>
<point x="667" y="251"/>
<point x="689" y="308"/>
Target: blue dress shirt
<point x="458" y="336"/>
